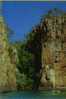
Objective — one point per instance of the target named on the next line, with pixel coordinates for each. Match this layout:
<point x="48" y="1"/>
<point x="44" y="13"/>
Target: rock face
<point x="54" y="53"/>
<point x="7" y="68"/>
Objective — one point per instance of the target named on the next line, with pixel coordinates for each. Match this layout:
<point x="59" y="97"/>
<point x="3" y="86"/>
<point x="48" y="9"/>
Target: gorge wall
<point x="54" y="53"/>
<point x="7" y="68"/>
<point x="48" y="43"/>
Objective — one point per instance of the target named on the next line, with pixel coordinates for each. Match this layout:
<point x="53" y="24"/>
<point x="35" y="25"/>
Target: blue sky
<point x="21" y="16"/>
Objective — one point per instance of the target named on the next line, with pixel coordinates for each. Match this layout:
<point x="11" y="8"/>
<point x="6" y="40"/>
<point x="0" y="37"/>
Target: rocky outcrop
<point x="54" y="53"/>
<point x="7" y="67"/>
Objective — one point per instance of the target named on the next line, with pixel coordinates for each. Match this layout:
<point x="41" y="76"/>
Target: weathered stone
<point x="54" y="53"/>
<point x="7" y="68"/>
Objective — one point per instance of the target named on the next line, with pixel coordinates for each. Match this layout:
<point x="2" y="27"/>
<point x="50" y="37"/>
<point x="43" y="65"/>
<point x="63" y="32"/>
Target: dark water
<point x="34" y="95"/>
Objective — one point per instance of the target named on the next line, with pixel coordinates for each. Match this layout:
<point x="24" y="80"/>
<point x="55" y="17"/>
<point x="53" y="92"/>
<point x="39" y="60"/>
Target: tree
<point x="56" y="11"/>
<point x="26" y="66"/>
<point x="49" y="12"/>
<point x="10" y="32"/>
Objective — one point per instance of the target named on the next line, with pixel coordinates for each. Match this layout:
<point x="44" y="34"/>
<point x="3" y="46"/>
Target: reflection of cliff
<point x="54" y="53"/>
<point x="7" y="68"/>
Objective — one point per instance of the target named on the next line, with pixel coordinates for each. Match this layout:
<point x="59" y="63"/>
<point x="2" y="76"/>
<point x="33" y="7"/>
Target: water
<point x="34" y="95"/>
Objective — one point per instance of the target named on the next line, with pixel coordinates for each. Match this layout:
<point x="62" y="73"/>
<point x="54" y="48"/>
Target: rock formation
<point x="54" y="53"/>
<point x="7" y="68"/>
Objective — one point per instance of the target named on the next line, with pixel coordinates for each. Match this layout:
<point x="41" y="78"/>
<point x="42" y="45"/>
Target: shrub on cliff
<point x="23" y="82"/>
<point x="26" y="66"/>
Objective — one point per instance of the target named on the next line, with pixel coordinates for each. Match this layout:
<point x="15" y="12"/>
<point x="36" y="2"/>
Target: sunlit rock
<point x="54" y="53"/>
<point x="7" y="68"/>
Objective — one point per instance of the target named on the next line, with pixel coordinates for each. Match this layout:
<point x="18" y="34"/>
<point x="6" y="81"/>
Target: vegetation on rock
<point x="23" y="59"/>
<point x="30" y="53"/>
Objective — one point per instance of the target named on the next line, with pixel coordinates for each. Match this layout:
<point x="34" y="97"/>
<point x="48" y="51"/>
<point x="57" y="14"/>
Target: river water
<point x="33" y="95"/>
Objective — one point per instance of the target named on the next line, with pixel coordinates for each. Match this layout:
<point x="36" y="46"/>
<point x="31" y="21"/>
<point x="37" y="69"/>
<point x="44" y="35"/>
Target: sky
<point x="21" y="16"/>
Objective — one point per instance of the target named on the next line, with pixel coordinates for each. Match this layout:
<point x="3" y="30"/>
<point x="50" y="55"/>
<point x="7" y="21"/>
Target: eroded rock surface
<point x="7" y="68"/>
<point x="54" y="53"/>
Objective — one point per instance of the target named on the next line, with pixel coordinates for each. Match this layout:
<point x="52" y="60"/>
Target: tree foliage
<point x="26" y="66"/>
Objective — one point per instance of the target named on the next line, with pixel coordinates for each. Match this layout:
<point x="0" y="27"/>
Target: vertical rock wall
<point x="7" y="69"/>
<point x="54" y="53"/>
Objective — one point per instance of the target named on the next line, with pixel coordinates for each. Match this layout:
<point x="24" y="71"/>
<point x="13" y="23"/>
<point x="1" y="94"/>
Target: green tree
<point x="56" y="11"/>
<point x="26" y="66"/>
<point x="10" y="32"/>
<point x="50" y="12"/>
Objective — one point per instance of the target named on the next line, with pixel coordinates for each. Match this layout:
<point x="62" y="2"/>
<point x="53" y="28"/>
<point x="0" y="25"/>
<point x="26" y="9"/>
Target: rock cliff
<point x="54" y="53"/>
<point x="7" y="67"/>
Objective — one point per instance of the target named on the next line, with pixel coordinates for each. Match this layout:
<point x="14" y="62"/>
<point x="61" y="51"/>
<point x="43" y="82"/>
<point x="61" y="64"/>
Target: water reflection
<point x="34" y="95"/>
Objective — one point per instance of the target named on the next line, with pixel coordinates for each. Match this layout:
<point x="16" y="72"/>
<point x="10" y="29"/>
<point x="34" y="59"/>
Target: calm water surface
<point x="34" y="95"/>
